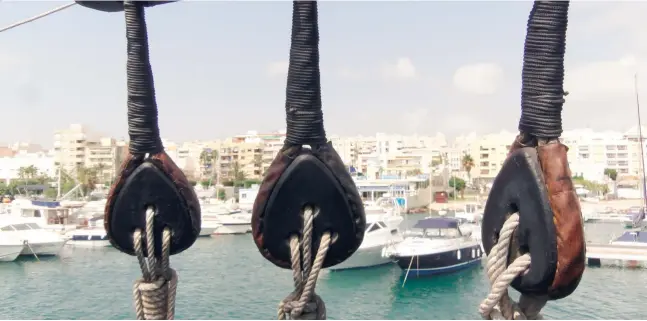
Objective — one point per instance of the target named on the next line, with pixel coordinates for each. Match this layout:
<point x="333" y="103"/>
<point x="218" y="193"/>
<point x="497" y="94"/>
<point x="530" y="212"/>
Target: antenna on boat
<point x="640" y="138"/>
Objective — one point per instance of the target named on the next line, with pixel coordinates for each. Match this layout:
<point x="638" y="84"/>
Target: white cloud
<point x="603" y="78"/>
<point x="403" y="68"/>
<point x="278" y="68"/>
<point x="479" y="78"/>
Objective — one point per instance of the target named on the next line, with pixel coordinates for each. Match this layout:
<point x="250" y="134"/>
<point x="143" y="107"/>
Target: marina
<point x="214" y="269"/>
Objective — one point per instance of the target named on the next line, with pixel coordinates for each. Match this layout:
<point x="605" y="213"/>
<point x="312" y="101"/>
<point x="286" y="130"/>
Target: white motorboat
<point x="209" y="227"/>
<point x="94" y="235"/>
<point x="219" y="219"/>
<point x="233" y="223"/>
<point x="382" y="231"/>
<point x="48" y="215"/>
<point x="10" y="247"/>
<point x="36" y="240"/>
<point x="439" y="248"/>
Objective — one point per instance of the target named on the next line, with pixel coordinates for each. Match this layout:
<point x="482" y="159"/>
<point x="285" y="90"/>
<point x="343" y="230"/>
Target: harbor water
<point x="226" y="278"/>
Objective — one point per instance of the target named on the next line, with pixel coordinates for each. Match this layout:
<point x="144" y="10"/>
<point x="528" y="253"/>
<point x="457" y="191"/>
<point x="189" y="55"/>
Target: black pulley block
<point x="154" y="184"/>
<point x="301" y="177"/>
<point x="520" y="187"/>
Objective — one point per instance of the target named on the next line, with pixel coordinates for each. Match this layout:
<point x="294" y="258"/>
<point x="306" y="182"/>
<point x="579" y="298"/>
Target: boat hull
<point x="232" y="228"/>
<point x="440" y="263"/>
<point x="363" y="258"/>
<point x="9" y="253"/>
<point x="43" y="249"/>
<point x="89" y="243"/>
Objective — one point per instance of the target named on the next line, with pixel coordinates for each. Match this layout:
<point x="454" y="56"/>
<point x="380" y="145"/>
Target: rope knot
<point x="152" y="297"/>
<point x="313" y="309"/>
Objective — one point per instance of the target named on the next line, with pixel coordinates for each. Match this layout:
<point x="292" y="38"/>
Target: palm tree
<point x="237" y="174"/>
<point x="468" y="164"/>
<point x="613" y="175"/>
<point x="87" y="177"/>
<point x="99" y="169"/>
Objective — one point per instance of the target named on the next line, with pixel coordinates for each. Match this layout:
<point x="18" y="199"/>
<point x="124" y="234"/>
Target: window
<point x="21" y="227"/>
<point x="7" y="228"/>
<point x="33" y="226"/>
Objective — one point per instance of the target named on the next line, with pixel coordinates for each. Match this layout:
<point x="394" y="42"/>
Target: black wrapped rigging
<point x="304" y="116"/>
<point x="542" y="93"/>
<point x="142" y="107"/>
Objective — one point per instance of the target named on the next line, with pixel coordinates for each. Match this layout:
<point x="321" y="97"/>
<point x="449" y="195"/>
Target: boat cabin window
<point x="442" y="233"/>
<point x="33" y="226"/>
<point x="7" y="228"/>
<point x="21" y="227"/>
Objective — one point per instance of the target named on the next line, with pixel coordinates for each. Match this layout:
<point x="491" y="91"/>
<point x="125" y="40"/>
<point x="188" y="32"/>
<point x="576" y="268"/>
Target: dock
<point x="616" y="255"/>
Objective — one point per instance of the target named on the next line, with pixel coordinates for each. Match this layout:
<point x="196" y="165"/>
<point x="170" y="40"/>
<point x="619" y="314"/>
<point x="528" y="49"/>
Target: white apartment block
<point x="10" y="166"/>
<point x="77" y="146"/>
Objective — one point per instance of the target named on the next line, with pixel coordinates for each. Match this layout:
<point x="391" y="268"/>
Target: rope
<point x="542" y="90"/>
<point x="303" y="303"/>
<point x="154" y="293"/>
<point x="498" y="305"/>
<point x="34" y="18"/>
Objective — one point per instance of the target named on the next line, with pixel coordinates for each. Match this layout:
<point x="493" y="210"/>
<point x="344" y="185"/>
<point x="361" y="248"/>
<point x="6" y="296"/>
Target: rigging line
<point x="34" y="18"/>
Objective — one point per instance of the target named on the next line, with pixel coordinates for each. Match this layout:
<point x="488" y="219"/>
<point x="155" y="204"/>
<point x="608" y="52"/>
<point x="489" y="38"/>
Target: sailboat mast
<point x="640" y="138"/>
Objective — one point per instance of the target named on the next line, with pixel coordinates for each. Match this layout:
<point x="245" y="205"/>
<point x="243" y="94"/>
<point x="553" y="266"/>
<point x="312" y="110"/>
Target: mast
<point x="640" y="138"/>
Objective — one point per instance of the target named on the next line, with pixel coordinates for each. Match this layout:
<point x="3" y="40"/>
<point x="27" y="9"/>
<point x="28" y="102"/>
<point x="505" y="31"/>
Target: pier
<point x="616" y="255"/>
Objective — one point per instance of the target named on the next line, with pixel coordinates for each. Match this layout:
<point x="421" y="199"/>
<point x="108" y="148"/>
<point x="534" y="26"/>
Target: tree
<point x="87" y="177"/>
<point x="238" y="176"/>
<point x="457" y="184"/>
<point x="468" y="164"/>
<point x="611" y="173"/>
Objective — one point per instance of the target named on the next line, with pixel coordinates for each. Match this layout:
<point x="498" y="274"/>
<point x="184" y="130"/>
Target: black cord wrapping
<point x="142" y="107"/>
<point x="303" y="113"/>
<point x="542" y="92"/>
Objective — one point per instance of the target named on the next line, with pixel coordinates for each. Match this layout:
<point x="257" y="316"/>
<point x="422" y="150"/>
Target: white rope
<point x="34" y="18"/>
<point x="154" y="293"/>
<point x="498" y="305"/>
<point x="303" y="303"/>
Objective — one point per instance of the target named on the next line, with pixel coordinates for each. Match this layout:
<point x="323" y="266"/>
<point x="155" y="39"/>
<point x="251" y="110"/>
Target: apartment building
<point x="10" y="165"/>
<point x="77" y="146"/>
<point x="242" y="155"/>
<point x="489" y="152"/>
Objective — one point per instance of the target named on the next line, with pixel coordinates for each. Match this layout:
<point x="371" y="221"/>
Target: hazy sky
<point x="393" y="67"/>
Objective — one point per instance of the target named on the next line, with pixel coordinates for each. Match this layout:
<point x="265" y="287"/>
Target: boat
<point x="94" y="235"/>
<point x="48" y="215"/>
<point x="36" y="240"/>
<point x="469" y="213"/>
<point x="236" y="222"/>
<point x="10" y="247"/>
<point x="439" y="248"/>
<point x="221" y="219"/>
<point x="636" y="237"/>
<point x="382" y="231"/>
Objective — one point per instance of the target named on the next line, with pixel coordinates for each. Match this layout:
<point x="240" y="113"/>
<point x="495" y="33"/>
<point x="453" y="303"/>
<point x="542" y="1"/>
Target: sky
<point x="391" y="67"/>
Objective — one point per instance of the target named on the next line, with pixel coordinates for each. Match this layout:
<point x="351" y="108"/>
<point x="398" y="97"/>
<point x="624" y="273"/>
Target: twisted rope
<point x="303" y="303"/>
<point x="154" y="293"/>
<point x="498" y="305"/>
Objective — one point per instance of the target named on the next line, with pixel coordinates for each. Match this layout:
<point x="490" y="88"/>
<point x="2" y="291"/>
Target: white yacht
<point x="94" y="235"/>
<point x="439" y="248"/>
<point x="383" y="221"/>
<point x="36" y="240"/>
<point x="220" y="219"/>
<point x="48" y="215"/>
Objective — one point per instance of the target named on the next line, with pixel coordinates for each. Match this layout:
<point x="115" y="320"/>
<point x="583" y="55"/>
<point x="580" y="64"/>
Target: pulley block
<point x="535" y="181"/>
<point x="155" y="182"/>
<point x="300" y="177"/>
